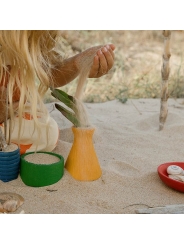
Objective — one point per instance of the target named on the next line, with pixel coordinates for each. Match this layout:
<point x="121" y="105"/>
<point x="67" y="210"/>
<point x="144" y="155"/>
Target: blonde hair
<point x="31" y="55"/>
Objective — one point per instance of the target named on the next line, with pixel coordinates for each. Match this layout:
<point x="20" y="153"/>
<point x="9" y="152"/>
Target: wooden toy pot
<point x="41" y="174"/>
<point x="9" y="164"/>
<point x="82" y="162"/>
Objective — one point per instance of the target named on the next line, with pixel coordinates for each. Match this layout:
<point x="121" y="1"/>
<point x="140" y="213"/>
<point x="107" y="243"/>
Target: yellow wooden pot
<point x="82" y="162"/>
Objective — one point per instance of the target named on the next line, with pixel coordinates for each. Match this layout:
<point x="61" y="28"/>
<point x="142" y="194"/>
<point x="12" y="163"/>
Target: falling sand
<point x="84" y="67"/>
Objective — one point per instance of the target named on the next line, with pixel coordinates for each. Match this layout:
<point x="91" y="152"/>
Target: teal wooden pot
<point x="38" y="175"/>
<point x="9" y="165"/>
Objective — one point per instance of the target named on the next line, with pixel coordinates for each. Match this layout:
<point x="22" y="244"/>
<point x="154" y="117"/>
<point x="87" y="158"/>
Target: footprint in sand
<point x="174" y="119"/>
<point x="150" y="123"/>
<point x="66" y="135"/>
<point x="122" y="168"/>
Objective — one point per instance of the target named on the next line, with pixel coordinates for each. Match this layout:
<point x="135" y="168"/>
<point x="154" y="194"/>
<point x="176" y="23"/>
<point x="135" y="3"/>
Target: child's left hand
<point x="102" y="62"/>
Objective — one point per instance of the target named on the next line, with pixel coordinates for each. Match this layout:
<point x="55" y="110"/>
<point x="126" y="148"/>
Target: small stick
<point x="136" y="107"/>
<point x="9" y="135"/>
<point x="3" y="144"/>
<point x="6" y="118"/>
<point x="10" y="121"/>
<point x="1" y="139"/>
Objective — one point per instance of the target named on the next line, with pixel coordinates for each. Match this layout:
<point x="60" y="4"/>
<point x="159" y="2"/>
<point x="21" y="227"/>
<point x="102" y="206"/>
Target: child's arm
<point x="70" y="68"/>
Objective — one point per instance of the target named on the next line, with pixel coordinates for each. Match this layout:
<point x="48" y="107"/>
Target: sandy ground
<point x="129" y="147"/>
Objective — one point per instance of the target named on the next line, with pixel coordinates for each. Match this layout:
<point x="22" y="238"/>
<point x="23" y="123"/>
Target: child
<point x="30" y="56"/>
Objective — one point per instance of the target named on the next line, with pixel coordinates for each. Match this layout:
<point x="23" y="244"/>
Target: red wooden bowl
<point x="162" y="172"/>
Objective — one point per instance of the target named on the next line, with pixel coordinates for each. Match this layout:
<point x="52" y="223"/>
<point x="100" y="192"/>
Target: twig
<point x="6" y="117"/>
<point x="3" y="144"/>
<point x="10" y="121"/>
<point x="136" y="107"/>
<point x="9" y="135"/>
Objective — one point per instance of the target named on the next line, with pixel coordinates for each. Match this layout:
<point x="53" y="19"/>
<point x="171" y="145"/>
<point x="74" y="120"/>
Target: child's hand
<point x="103" y="60"/>
<point x="99" y="59"/>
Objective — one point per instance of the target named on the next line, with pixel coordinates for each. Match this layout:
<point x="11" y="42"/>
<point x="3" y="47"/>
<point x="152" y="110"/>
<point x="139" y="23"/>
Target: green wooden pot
<point x="38" y="175"/>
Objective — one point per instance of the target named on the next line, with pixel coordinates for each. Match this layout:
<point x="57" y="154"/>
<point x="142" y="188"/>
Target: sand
<point x="129" y="147"/>
<point x="41" y="158"/>
<point x="10" y="148"/>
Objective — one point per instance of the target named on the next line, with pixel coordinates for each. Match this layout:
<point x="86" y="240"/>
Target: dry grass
<point x="137" y="69"/>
